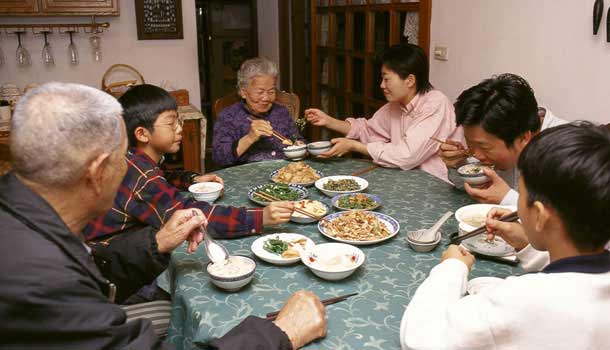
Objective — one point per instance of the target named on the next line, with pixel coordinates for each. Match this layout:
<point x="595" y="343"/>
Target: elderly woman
<point x="243" y="132"/>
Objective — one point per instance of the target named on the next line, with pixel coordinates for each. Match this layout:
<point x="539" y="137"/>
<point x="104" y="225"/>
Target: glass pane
<point x="376" y="79"/>
<point x="323" y="69"/>
<point x="409" y="22"/>
<point x="359" y="31"/>
<point x="323" y="40"/>
<point x="358" y="76"/>
<point x="340" y="72"/>
<point x="381" y="1"/>
<point x="409" y="0"/>
<point x="339" y="2"/>
<point x="340" y="111"/>
<point x="340" y="30"/>
<point x="357" y="109"/>
<point x="322" y="2"/>
<point x="358" y="2"/>
<point x="324" y="96"/>
<point x="382" y="30"/>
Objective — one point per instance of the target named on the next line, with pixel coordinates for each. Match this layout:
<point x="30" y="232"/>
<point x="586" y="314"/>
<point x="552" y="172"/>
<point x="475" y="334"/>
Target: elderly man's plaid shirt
<point x="147" y="197"/>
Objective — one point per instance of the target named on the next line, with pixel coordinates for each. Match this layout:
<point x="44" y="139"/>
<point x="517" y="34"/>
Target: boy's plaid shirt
<point x="148" y="197"/>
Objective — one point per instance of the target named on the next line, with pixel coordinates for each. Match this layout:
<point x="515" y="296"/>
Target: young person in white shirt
<point x="499" y="117"/>
<point x="564" y="202"/>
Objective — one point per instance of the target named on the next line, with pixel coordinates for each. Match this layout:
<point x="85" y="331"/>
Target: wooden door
<point x="97" y="7"/>
<point x="18" y="6"/>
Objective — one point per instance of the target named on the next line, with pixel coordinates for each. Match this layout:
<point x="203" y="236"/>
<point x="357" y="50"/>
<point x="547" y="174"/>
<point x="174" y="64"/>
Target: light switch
<point x="441" y="53"/>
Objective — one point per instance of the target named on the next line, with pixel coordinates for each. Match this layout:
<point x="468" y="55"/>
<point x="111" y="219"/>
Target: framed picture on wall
<point x="159" y="19"/>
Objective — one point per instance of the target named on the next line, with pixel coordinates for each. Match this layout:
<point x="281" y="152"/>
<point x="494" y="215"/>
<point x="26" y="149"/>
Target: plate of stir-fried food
<point x="297" y="173"/>
<point x="359" y="227"/>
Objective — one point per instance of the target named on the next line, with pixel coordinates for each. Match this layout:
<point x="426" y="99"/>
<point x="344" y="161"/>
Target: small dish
<point x="206" y="191"/>
<point x="480" y="244"/>
<point x="260" y="252"/>
<point x="295" y="151"/>
<point x="310" y="206"/>
<point x="362" y="183"/>
<point x="423" y="247"/>
<point x="333" y="261"/>
<point x="274" y="178"/>
<point x="316" y="148"/>
<point x="234" y="275"/>
<point x="356" y="197"/>
<point x="473" y="174"/>
<point x="471" y="217"/>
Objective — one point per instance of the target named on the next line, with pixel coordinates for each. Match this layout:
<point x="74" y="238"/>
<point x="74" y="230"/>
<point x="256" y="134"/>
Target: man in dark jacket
<point x="68" y="144"/>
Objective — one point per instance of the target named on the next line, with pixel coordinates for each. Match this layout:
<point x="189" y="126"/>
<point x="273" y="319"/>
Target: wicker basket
<point x="117" y="89"/>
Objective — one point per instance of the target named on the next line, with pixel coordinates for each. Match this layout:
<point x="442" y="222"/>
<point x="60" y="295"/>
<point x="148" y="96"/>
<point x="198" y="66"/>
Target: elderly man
<point x="68" y="144"/>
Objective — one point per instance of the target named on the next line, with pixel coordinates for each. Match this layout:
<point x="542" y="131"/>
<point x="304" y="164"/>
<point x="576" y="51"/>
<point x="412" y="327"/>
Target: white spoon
<point x="216" y="251"/>
<point x="430" y="234"/>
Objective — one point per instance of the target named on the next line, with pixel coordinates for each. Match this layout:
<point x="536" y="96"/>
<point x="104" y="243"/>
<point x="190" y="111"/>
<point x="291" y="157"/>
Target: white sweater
<point x="538" y="311"/>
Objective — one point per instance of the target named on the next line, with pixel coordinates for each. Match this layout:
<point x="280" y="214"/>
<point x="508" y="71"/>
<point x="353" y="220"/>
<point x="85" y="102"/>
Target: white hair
<point x="58" y="128"/>
<point x="252" y="68"/>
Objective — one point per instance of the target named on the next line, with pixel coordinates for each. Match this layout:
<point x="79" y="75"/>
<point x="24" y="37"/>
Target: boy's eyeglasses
<point x="179" y="122"/>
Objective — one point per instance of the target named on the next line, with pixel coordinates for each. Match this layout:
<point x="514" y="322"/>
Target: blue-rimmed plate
<point x="335" y="201"/>
<point x="309" y="183"/>
<point x="266" y="188"/>
<point x="391" y="224"/>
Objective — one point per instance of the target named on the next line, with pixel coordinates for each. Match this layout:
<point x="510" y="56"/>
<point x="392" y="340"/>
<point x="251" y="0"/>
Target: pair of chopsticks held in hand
<point x="284" y="139"/>
<point x="271" y="198"/>
<point x="465" y="151"/>
<point x="512" y="217"/>
<point x="273" y="315"/>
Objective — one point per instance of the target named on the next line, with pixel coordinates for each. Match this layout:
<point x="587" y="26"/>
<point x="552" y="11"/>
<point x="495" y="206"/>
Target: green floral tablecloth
<point x="385" y="283"/>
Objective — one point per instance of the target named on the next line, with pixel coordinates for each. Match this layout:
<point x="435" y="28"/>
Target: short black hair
<point x="405" y="59"/>
<point x="142" y="105"/>
<point x="568" y="168"/>
<point x="504" y="106"/>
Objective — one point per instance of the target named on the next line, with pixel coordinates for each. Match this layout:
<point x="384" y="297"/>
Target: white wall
<point x="549" y="42"/>
<point x="158" y="60"/>
<point x="268" y="29"/>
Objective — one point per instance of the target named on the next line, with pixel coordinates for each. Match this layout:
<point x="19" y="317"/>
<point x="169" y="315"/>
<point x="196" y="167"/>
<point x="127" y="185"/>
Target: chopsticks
<point x="298" y="210"/>
<point x="512" y="217"/>
<point x="466" y="152"/>
<point x="372" y="167"/>
<point x="272" y="315"/>
<point x="279" y="136"/>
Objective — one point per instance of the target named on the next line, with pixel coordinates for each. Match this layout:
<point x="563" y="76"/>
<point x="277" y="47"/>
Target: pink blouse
<point x="398" y="136"/>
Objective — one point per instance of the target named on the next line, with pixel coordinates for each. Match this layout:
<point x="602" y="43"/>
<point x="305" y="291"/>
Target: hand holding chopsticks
<point x="326" y="302"/>
<point x="453" y="146"/>
<point x="275" y="134"/>
<point x="271" y="198"/>
<point x="512" y="217"/>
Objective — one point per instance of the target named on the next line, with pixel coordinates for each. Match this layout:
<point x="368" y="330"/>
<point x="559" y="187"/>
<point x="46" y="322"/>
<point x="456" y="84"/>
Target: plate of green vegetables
<point x="281" y="248"/>
<point x="282" y="192"/>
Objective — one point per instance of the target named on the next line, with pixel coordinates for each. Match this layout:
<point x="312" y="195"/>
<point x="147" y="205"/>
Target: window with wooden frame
<point x="346" y="36"/>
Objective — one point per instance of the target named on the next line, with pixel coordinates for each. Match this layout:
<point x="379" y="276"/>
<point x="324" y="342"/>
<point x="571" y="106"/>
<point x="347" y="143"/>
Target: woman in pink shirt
<point x="398" y="135"/>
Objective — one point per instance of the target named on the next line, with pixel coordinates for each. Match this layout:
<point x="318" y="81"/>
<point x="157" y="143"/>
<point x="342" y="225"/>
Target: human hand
<point x="453" y="153"/>
<point x="210" y="178"/>
<point x="259" y="128"/>
<point x="495" y="190"/>
<point x="302" y="318"/>
<point x="457" y="252"/>
<point x="512" y="232"/>
<point x="183" y="225"/>
<point x="340" y="146"/>
<point x="277" y="213"/>
<point x="317" y="117"/>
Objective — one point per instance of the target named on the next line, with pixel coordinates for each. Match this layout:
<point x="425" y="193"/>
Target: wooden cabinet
<point x="26" y="7"/>
<point x="191" y="145"/>
<point x="59" y="7"/>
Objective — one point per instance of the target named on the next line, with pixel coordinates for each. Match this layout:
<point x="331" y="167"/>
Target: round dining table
<point x="385" y="283"/>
